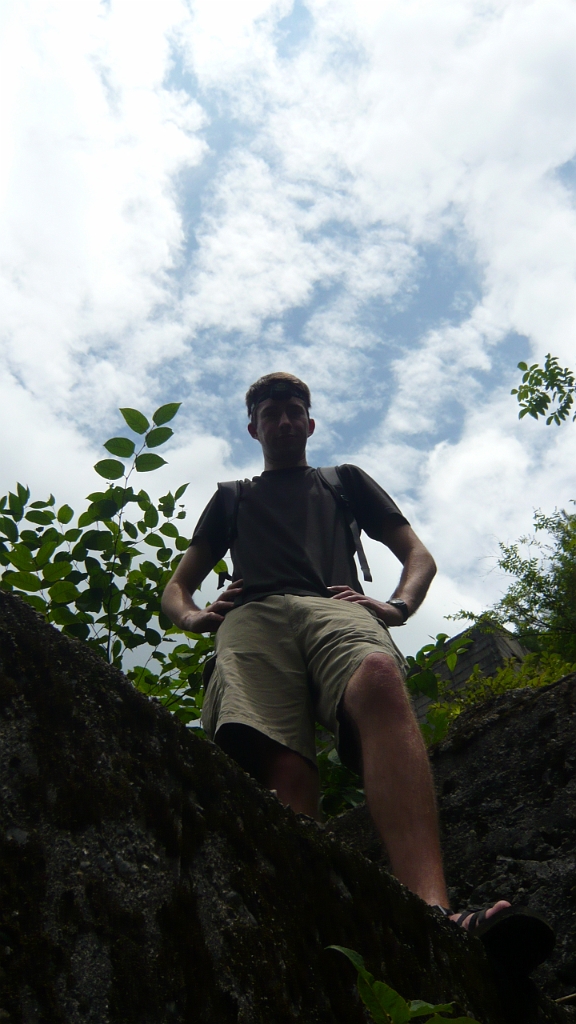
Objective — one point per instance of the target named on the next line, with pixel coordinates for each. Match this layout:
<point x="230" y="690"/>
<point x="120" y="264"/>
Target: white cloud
<point x="330" y="169"/>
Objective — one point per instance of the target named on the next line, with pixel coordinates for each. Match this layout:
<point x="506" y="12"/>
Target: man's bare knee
<point x="376" y="687"/>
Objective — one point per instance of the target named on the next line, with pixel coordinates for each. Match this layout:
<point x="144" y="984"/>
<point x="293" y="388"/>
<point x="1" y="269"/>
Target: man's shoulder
<point x="354" y="475"/>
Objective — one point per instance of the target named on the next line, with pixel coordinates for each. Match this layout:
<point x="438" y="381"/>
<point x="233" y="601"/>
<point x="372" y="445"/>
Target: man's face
<point x="283" y="427"/>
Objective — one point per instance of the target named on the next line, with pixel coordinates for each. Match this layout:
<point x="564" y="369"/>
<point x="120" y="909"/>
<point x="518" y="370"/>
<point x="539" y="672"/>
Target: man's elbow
<point x="428" y="566"/>
<point x="166" y="601"/>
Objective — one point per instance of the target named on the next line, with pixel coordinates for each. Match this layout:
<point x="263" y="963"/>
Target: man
<point x="298" y="641"/>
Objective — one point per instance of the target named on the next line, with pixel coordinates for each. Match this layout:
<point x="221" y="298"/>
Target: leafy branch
<point x="542" y="386"/>
<point x="95" y="581"/>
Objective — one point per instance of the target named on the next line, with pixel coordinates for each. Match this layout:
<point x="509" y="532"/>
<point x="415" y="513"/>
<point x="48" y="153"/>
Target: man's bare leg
<point x="294" y="779"/>
<point x="397" y="778"/>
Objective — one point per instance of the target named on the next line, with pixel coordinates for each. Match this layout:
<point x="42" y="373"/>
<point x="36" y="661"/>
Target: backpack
<point x="231" y="491"/>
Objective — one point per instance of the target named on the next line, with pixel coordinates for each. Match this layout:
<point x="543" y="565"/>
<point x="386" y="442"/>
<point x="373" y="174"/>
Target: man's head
<point x="278" y="406"/>
<point x="277" y="386"/>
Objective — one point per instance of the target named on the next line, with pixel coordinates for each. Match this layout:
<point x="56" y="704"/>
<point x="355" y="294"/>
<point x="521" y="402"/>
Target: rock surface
<point x="506" y="781"/>
<point x="146" y="879"/>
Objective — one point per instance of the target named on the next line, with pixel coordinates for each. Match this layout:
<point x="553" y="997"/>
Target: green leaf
<point x="42" y="518"/>
<point x="147" y="462"/>
<point x="63" y="592"/>
<point x="134" y="640"/>
<point x="79" y="630"/>
<point x="90" y="600"/>
<point x="166" y="413"/>
<point x="370" y="999"/>
<point x="135" y="420"/>
<point x="130" y="529"/>
<point x="9" y="528"/>
<point x="110" y="469"/>
<point x="158" y="436"/>
<point x="180" y="491"/>
<point x="65" y="514"/>
<point x="71" y="536"/>
<point x="353" y="957"/>
<point x="169" y="530"/>
<point x="451" y="661"/>
<point x="91" y="515"/>
<point x="418" y="1008"/>
<point x="22" y="558"/>
<point x="56" y="571"/>
<point x="121" y="446"/>
<point x="23" y="580"/>
<point x="46" y="551"/>
<point x="62" y="615"/>
<point x="151" y="517"/>
<point x="427" y="682"/>
<point x="97" y="540"/>
<point x="38" y="603"/>
<point x="154" y="540"/>
<point x="522" y="366"/>
<point x="24" y="493"/>
<point x="15" y="506"/>
<point x="106" y="508"/>
<point x="182" y="543"/>
<point x="220" y="566"/>
<point x="153" y="637"/>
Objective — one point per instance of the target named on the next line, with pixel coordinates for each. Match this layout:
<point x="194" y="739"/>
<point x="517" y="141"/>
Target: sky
<point x="376" y="196"/>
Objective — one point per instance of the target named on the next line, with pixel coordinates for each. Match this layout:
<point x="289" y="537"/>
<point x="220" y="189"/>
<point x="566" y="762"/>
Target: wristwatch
<point x="401" y="606"/>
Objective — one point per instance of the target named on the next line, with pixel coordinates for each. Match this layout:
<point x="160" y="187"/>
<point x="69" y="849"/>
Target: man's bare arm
<point x="177" y="601"/>
<point x="418" y="571"/>
<point x="418" y="566"/>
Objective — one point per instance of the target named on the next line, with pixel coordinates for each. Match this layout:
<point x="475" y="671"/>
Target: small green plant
<point x="422" y="679"/>
<point x="542" y="386"/>
<point x="101" y="580"/>
<point x="534" y="671"/>
<point x="540" y="602"/>
<point x="387" y="1006"/>
<point x="341" y="787"/>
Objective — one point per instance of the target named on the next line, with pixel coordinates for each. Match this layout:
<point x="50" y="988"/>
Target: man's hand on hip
<point x="207" y="620"/>
<point x="387" y="613"/>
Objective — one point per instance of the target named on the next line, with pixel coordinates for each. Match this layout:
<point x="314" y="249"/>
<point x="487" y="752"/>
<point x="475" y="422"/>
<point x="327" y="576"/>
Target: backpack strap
<point x="230" y="491"/>
<point x="331" y="478"/>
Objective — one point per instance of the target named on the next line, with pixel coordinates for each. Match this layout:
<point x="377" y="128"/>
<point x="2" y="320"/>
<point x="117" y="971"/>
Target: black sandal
<point x="517" y="938"/>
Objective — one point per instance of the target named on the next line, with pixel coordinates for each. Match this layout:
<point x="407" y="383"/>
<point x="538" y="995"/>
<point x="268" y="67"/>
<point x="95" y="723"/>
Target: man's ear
<point x="311" y="427"/>
<point x="253" y="431"/>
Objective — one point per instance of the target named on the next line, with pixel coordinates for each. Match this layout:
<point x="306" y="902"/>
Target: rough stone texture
<point x="146" y="879"/>
<point x="506" y="781"/>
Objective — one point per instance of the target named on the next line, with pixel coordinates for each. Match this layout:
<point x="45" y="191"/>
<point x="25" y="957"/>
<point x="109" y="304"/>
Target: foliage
<point x="534" y="671"/>
<point x="386" y="1006"/>
<point x="341" y="787"/>
<point x="540" y="602"/>
<point x="101" y="580"/>
<point x="542" y="386"/>
<point x="422" y="679"/>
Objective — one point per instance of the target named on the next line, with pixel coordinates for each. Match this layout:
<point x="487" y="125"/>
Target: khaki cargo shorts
<point x="283" y="664"/>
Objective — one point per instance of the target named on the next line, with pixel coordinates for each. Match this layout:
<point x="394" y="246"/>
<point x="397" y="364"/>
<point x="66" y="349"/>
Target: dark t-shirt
<point x="291" y="536"/>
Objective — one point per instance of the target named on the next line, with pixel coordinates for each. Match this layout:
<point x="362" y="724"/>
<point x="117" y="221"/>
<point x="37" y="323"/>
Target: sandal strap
<point x="477" y="918"/>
